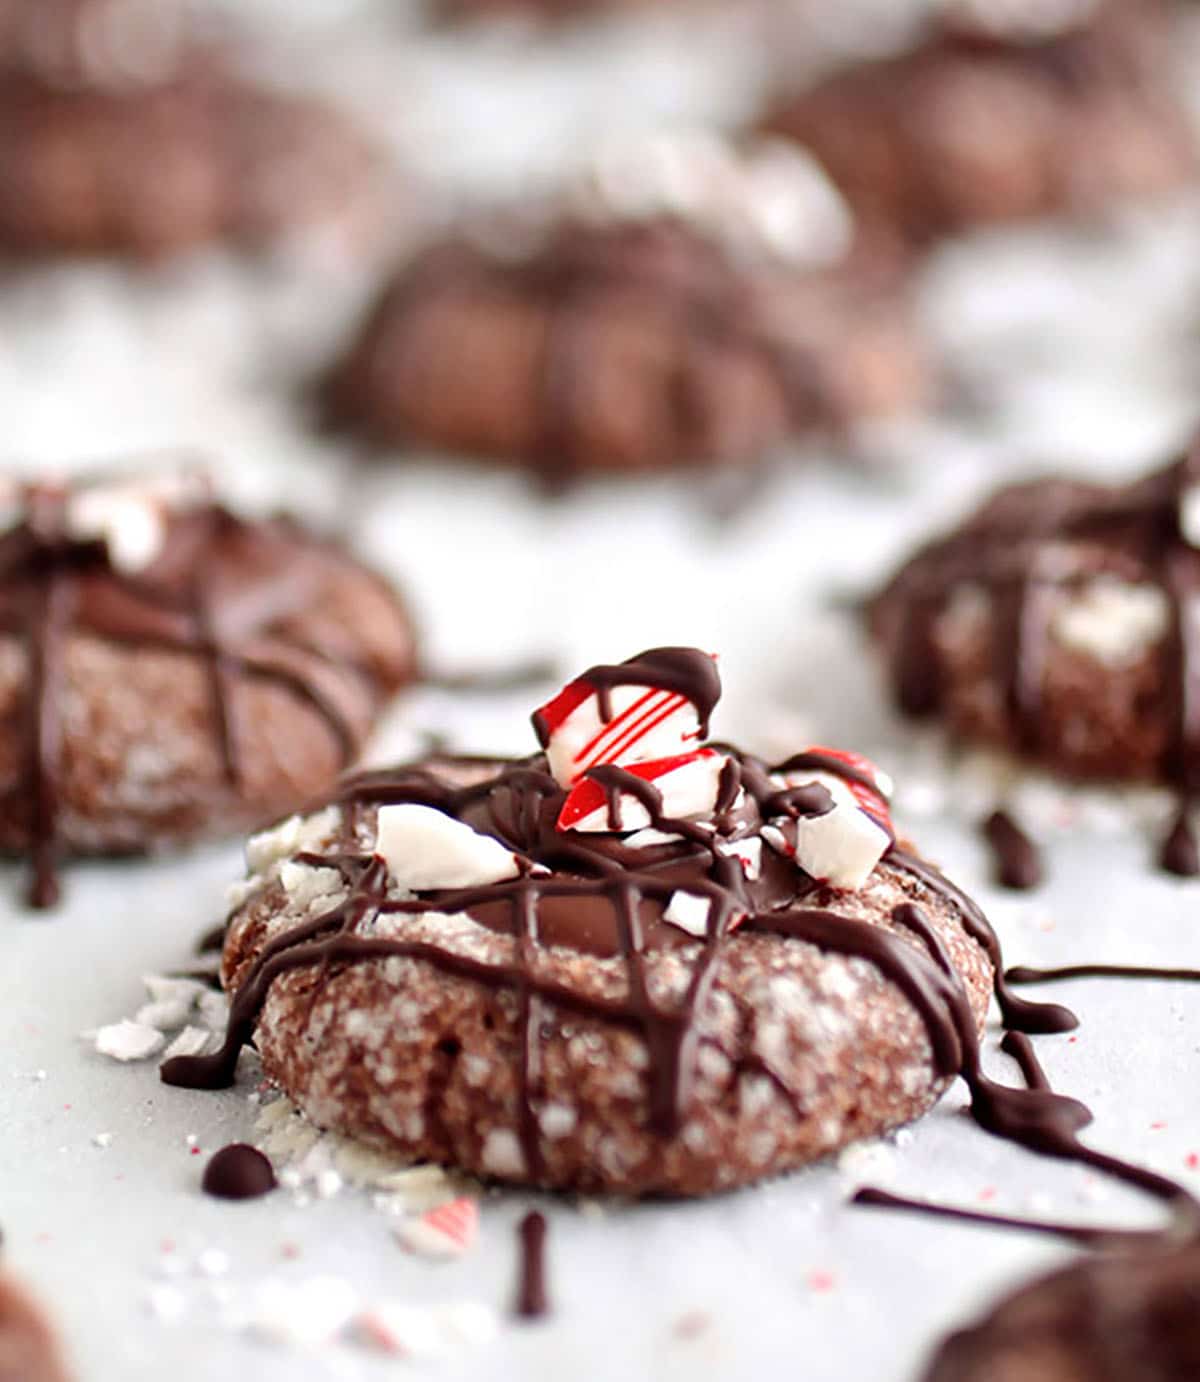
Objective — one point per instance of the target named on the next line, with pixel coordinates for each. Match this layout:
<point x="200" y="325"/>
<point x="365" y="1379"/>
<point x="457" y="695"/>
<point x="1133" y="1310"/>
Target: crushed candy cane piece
<point x="689" y="912"/>
<point x="688" y="785"/>
<point x="425" y="848"/>
<point x="130" y="513"/>
<point x="643" y="723"/>
<point x="167" y="1015"/>
<point x="132" y="527"/>
<point x="842" y="845"/>
<point x="446" y="1231"/>
<point x="648" y="838"/>
<point x="427" y="1331"/>
<point x="294" y="835"/>
<point x="868" y="784"/>
<point x="748" y="851"/>
<point x="128" y="1041"/>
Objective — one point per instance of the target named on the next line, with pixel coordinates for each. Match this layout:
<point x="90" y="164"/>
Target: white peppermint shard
<point x="128" y="1041"/>
<point x="427" y="849"/>
<point x="841" y="847"/>
<point x="128" y="522"/>
<point x="689" y="912"/>
<point x="294" y="835"/>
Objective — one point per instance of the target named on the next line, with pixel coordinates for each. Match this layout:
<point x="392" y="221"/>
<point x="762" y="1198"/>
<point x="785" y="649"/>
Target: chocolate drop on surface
<point x="532" y="1301"/>
<point x="1018" y="860"/>
<point x="238" y="1172"/>
<point x="1180" y="853"/>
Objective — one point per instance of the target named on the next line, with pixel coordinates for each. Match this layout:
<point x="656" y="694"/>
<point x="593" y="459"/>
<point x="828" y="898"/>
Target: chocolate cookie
<point x="627" y="963"/>
<point x="118" y="135"/>
<point x="985" y="123"/>
<point x="683" y="304"/>
<point x="28" y="1349"/>
<point x="1130" y="1316"/>
<point x="1054" y="623"/>
<point x="169" y="670"/>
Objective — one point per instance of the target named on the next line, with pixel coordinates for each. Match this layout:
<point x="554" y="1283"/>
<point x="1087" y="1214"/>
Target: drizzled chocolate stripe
<point x="54" y="587"/>
<point x="684" y="671"/>
<point x="1049" y="1123"/>
<point x="1136" y="534"/>
<point x="1024" y="974"/>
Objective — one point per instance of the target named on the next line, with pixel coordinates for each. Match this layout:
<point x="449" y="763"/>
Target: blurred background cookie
<point x="1002" y="113"/>
<point x="171" y="671"/>
<point x="1128" y="1315"/>
<point x="1056" y="623"/>
<point x="681" y="301"/>
<point x="127" y="129"/>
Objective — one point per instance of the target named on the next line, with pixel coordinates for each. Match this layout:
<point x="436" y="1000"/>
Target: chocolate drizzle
<point x="1028" y="547"/>
<point x="596" y="894"/>
<point x="1024" y="974"/>
<point x="1018" y="859"/>
<point x="532" y="1298"/>
<point x="221" y="588"/>
<point x="1050" y="1124"/>
<point x="685" y="671"/>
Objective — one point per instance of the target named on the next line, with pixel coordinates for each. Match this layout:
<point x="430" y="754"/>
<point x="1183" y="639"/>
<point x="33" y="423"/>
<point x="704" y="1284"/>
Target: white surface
<point x="788" y="1281"/>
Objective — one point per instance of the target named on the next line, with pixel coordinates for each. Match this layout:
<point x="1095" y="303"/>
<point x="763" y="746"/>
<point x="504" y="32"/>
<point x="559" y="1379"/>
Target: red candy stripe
<point x="556" y="712"/>
<point x="588" y="796"/>
<point x="644" y="715"/>
<point x="870" y="799"/>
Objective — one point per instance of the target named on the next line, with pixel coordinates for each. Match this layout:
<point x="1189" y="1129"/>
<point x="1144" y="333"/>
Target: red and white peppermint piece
<point x="447" y="1231"/>
<point x="688" y="784"/>
<point x="842" y="846"/>
<point x="870" y="786"/>
<point x="646" y="723"/>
